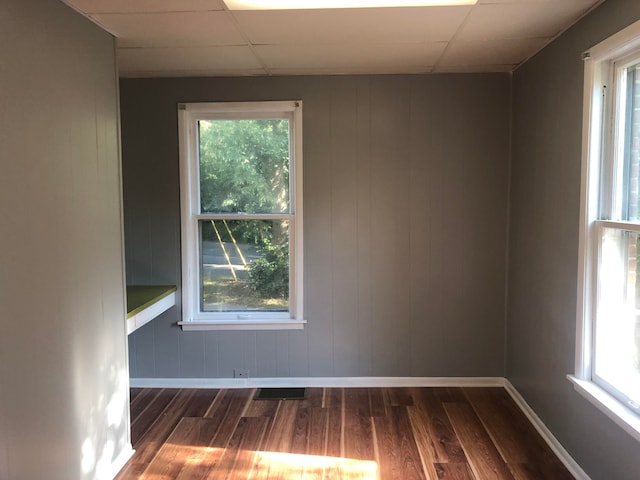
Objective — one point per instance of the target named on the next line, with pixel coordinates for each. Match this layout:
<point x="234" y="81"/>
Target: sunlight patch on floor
<point x="251" y="464"/>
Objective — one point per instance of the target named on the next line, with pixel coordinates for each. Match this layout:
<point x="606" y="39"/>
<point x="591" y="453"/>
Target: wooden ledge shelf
<point x="146" y="302"/>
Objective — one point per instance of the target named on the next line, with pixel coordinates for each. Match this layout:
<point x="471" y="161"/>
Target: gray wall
<point x="405" y="183"/>
<point x="63" y="368"/>
<point x="545" y="201"/>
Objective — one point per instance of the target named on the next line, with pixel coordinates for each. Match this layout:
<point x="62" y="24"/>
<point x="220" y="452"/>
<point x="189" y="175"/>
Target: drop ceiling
<point x="168" y="38"/>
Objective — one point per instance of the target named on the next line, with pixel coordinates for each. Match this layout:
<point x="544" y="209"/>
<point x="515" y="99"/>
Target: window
<point x="241" y="205"/>
<point x="608" y="345"/>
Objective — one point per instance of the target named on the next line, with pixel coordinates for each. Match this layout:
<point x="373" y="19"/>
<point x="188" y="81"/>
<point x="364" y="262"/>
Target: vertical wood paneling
<point x="211" y="355"/>
<point x="399" y="173"/>
<point x="192" y="356"/>
<point x="447" y="198"/>
<point x="384" y="206"/>
<point x="167" y="344"/>
<point x="266" y="354"/>
<point x="299" y="353"/>
<point x="419" y="286"/>
<point x="144" y="351"/>
<point x="318" y="232"/>
<point x="363" y="221"/>
<point x="344" y="278"/>
<point x="404" y="213"/>
<point x="283" y="363"/>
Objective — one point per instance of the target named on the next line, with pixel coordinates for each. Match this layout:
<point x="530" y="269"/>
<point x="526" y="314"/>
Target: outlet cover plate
<point x="240" y="373"/>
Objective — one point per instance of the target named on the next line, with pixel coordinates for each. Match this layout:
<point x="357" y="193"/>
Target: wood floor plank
<point x="263" y="408"/>
<point x="203" y="457"/>
<point x="317" y="425"/>
<point x="448" y="394"/>
<point x="318" y="428"/>
<point x="133" y="393"/>
<point x="333" y="397"/>
<point x="398" y="397"/>
<point x="181" y="446"/>
<point x="232" y="402"/>
<point x="301" y="430"/>
<point x="358" y="436"/>
<point x="239" y="457"/>
<point x="229" y="411"/>
<point x="429" y="412"/>
<point x="376" y="400"/>
<point x="280" y="435"/>
<point x="356" y="401"/>
<point x="454" y="471"/>
<point x="503" y="422"/>
<point x="484" y="458"/>
<point x="424" y="441"/>
<point x="399" y="456"/>
<point x="335" y="437"/>
<point x="313" y="398"/>
<point x="150" y="413"/>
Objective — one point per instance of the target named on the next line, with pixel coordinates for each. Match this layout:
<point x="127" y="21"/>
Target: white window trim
<point x="192" y="318"/>
<point x="598" y="73"/>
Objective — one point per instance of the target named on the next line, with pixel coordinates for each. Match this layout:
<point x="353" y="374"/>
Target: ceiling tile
<point x="349" y="71"/>
<point x="172" y="29"/>
<point x="295" y="27"/>
<point x="135" y="62"/>
<point x="475" y="68"/>
<point x="522" y="19"/>
<point x="403" y="58"/>
<point x="490" y="52"/>
<point x="142" y="6"/>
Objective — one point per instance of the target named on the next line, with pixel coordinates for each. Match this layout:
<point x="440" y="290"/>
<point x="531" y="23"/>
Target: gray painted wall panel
<point x="63" y="370"/>
<point x="400" y="175"/>
<point x="543" y="250"/>
<point x="317" y="205"/>
<point x="344" y="174"/>
<point x="192" y="355"/>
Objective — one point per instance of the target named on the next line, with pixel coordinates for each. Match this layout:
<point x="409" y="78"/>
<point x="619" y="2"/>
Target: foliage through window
<point x="241" y="212"/>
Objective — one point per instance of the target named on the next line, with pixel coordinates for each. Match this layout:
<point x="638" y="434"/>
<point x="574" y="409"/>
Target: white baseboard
<point x="364" y="382"/>
<point x="373" y="382"/>
<point x="119" y="462"/>
<point x="546" y="434"/>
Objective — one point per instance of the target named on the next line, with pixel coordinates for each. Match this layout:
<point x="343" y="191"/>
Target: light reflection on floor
<point x="248" y="464"/>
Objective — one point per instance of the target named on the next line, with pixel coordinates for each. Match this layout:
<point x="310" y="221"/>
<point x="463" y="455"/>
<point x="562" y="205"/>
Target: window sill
<point x="609" y="405"/>
<point x="243" y="325"/>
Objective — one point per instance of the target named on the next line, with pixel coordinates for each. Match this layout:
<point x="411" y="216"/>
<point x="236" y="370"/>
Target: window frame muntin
<point x="192" y="316"/>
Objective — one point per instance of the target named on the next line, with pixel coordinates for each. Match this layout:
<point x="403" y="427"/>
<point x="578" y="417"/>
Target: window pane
<point x="244" y="166"/>
<point x="245" y="265"/>
<point x="630" y="148"/>
<point x="617" y="345"/>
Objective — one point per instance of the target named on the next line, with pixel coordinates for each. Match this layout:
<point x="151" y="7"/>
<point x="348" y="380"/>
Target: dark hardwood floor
<point x="336" y="433"/>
